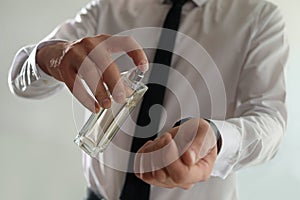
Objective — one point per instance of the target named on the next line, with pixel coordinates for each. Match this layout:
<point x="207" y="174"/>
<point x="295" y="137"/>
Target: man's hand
<point x="179" y="158"/>
<point x="89" y="59"/>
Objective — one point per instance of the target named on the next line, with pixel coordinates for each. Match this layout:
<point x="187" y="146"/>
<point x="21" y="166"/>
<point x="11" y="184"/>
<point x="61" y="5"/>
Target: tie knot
<point x="179" y="2"/>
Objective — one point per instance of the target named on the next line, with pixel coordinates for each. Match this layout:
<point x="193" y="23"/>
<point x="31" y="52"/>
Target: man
<point x="245" y="38"/>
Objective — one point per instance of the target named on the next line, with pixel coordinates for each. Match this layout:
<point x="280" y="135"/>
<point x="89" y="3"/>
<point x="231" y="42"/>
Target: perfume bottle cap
<point x="135" y="75"/>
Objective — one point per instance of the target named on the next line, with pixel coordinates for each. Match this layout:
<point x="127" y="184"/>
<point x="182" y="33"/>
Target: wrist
<point x="47" y="51"/>
<point x="40" y="60"/>
<point x="212" y="126"/>
<point x="217" y="135"/>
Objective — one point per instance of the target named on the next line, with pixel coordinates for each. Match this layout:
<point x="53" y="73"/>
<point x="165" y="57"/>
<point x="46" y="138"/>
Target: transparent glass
<point x="101" y="127"/>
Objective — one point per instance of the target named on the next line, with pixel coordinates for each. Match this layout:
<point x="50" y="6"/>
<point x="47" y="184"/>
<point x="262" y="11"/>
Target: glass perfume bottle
<point x="101" y="127"/>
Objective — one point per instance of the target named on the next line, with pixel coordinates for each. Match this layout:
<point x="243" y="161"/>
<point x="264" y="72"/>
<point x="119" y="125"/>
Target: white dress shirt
<point x="245" y="39"/>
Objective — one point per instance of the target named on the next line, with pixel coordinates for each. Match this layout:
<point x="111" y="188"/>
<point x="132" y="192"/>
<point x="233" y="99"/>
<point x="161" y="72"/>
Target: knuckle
<point x="170" y="186"/>
<point x="147" y="176"/>
<point x="128" y="39"/>
<point x="103" y="36"/>
<point x="159" y="175"/>
<point x="84" y="40"/>
<point x="100" y="94"/>
<point x="87" y="43"/>
<point x="104" y="41"/>
<point x="179" y="177"/>
<point x="72" y="51"/>
<point x="205" y="177"/>
<point x="148" y="149"/>
<point x="186" y="187"/>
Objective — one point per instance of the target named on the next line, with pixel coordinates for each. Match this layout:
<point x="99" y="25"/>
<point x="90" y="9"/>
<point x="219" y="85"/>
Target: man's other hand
<point x="180" y="157"/>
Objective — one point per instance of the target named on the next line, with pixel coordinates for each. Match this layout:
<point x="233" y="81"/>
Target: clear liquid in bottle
<point x="101" y="127"/>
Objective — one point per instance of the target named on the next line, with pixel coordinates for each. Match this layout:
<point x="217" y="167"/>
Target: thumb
<point x="201" y="144"/>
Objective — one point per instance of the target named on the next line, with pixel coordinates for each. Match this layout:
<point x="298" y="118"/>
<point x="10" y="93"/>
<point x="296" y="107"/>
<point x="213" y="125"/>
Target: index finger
<point x="131" y="47"/>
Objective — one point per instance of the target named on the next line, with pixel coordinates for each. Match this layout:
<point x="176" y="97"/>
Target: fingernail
<point x="120" y="96"/>
<point x="193" y="156"/>
<point x="144" y="65"/>
<point x="97" y="107"/>
<point x="105" y="103"/>
<point x="138" y="175"/>
<point x="148" y="143"/>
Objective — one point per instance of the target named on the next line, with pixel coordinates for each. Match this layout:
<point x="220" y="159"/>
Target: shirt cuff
<point x="228" y="154"/>
<point x="32" y="76"/>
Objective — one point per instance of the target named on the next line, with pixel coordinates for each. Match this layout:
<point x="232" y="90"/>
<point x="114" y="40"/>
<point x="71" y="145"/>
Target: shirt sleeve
<point x="254" y="134"/>
<point x="26" y="79"/>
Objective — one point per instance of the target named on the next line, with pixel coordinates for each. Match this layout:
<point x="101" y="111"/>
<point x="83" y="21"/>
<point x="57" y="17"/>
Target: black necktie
<point x="134" y="188"/>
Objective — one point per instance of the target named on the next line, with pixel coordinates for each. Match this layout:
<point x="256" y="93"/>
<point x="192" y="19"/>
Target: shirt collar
<point x="197" y="2"/>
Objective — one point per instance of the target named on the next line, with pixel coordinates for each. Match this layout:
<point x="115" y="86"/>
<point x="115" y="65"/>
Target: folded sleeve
<point x="254" y="134"/>
<point x="26" y="79"/>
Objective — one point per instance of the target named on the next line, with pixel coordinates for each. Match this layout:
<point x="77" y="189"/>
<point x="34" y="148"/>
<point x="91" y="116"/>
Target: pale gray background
<point x="37" y="155"/>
